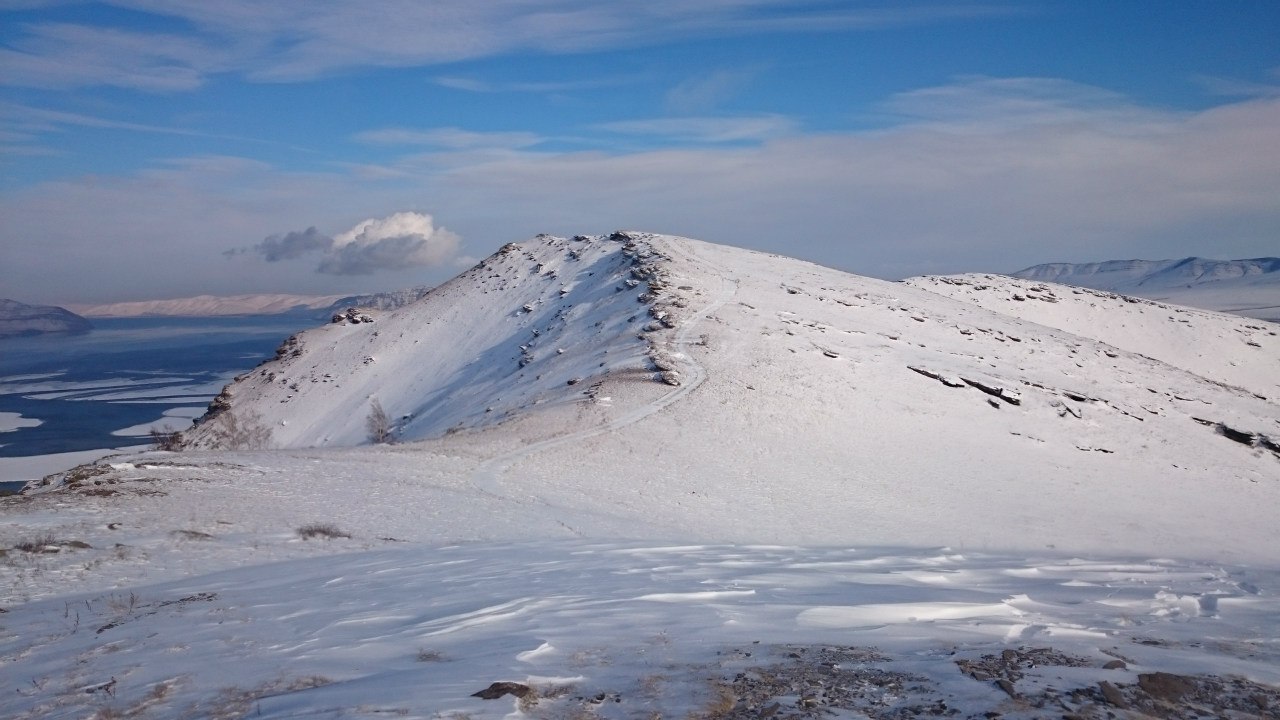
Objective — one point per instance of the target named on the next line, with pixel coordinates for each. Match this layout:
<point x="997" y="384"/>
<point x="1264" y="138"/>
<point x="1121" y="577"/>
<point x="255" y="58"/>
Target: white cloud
<point x="402" y="240"/>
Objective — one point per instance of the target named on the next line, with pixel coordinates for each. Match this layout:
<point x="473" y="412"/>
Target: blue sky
<point x="168" y="148"/>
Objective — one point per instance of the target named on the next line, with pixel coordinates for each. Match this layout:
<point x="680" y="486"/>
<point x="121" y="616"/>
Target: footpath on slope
<point x="487" y="477"/>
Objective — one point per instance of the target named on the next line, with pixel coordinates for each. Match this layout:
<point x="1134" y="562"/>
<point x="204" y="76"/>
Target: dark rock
<point x="1007" y="686"/>
<point x="499" y="689"/>
<point x="1112" y="695"/>
<point x="944" y="379"/>
<point x="1004" y="394"/>
<point x="1165" y="686"/>
<point x="1241" y="436"/>
<point x="1115" y="665"/>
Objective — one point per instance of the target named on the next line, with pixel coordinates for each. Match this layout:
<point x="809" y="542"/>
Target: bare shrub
<point x="166" y="438"/>
<point x="328" y="531"/>
<point x="36" y="544"/>
<point x="243" y="430"/>
<point x="378" y="424"/>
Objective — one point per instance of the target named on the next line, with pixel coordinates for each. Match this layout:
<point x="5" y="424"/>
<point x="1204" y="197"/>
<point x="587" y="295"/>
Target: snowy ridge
<point x="535" y="324"/>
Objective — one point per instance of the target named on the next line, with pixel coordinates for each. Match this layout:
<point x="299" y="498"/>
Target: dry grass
<point x="36" y="544"/>
<point x="328" y="531"/>
<point x="721" y="704"/>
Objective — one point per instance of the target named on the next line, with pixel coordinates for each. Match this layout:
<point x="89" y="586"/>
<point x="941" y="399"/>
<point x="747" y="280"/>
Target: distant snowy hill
<point x="21" y="319"/>
<point x="643" y="476"/>
<point x="1244" y="287"/>
<point x="261" y="304"/>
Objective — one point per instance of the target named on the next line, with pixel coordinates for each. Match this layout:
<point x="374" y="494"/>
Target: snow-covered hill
<point x="259" y="304"/>
<point x="18" y="319"/>
<point x="809" y="396"/>
<point x="1245" y="287"/>
<point x="209" y="305"/>
<point x="645" y="475"/>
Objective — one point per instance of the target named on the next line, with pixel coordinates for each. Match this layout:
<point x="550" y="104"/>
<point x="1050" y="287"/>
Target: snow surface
<point x="840" y="463"/>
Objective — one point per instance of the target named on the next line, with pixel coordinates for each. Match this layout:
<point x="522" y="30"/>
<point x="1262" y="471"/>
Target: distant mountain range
<point x="264" y="304"/>
<point x="1243" y="287"/>
<point x="18" y="319"/>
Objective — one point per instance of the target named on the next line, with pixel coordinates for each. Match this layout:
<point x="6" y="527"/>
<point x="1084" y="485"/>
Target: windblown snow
<point x="638" y="475"/>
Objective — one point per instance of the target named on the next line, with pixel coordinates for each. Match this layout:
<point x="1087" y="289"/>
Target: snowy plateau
<point x="640" y="476"/>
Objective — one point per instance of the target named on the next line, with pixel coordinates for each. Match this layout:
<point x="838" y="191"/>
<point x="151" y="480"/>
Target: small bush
<point x="230" y="430"/>
<point x="328" y="531"/>
<point x="378" y="424"/>
<point x="166" y="439"/>
<point x="37" y="544"/>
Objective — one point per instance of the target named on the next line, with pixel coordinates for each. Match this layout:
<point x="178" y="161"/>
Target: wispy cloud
<point x="1000" y="103"/>
<point x="705" y="91"/>
<point x="1235" y="87"/>
<point x="451" y="138"/>
<point x="706" y="129"/>
<point x="477" y="85"/>
<point x="292" y="41"/>
<point x="65" y="55"/>
<point x="45" y="119"/>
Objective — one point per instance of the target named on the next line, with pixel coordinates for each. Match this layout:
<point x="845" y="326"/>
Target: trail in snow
<point x="487" y="476"/>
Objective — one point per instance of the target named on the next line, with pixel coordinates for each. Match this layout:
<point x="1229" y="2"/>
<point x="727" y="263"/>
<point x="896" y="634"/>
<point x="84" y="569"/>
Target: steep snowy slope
<point x="534" y="324"/>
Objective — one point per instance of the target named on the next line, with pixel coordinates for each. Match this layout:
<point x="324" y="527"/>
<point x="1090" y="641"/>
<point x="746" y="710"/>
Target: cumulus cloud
<point x="405" y="239"/>
<point x="396" y="242"/>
